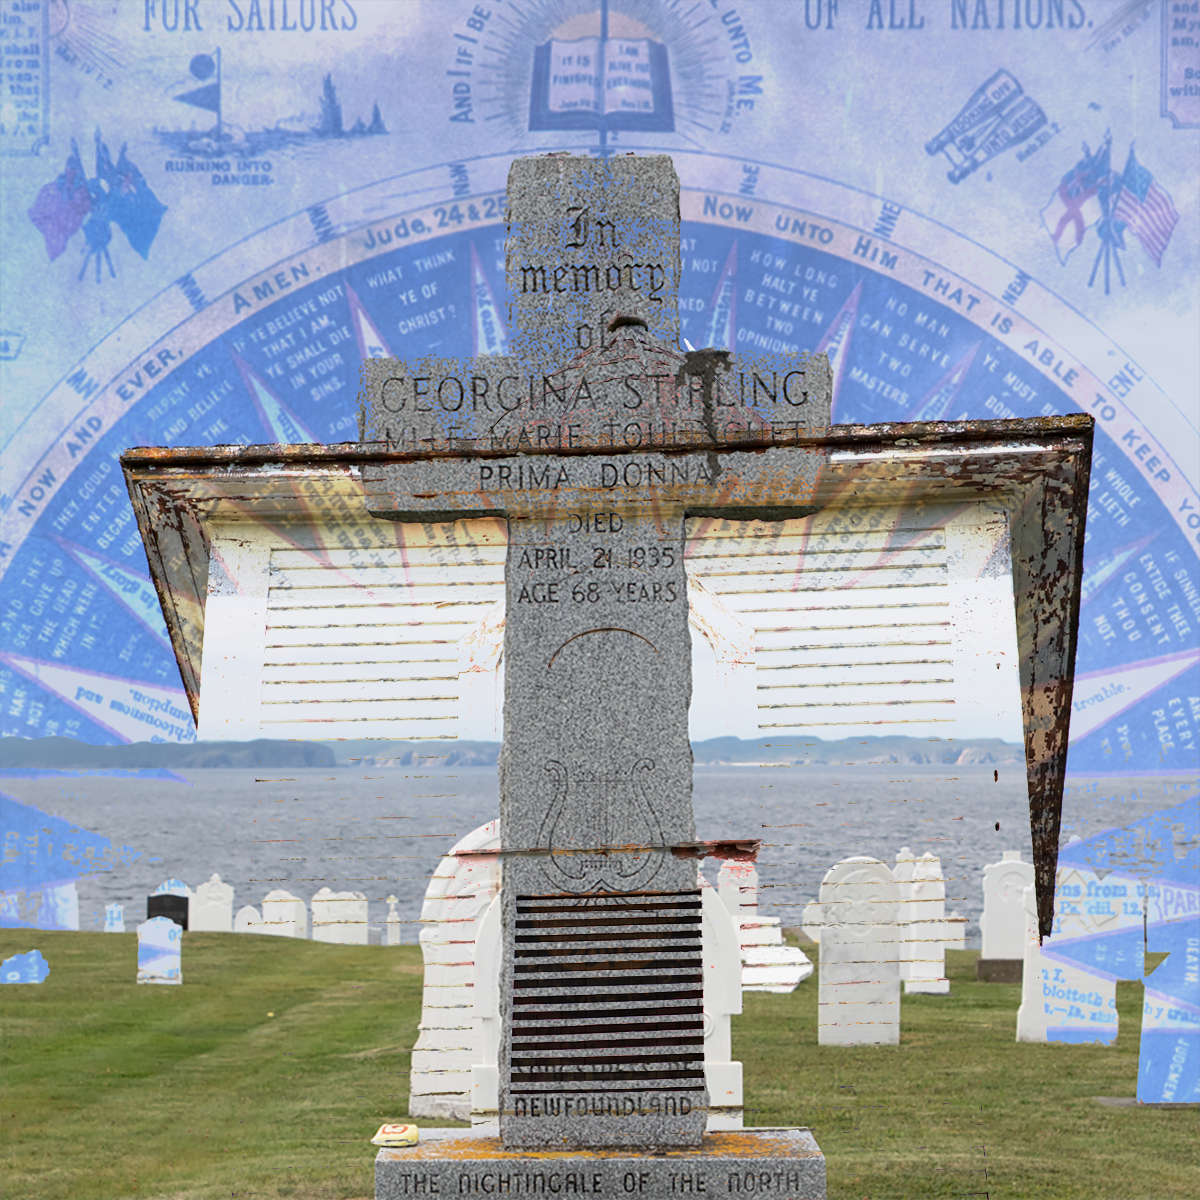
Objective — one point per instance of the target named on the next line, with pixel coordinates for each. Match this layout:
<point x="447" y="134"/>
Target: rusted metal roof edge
<point x="350" y="453"/>
<point x="1047" y="537"/>
<point x="1048" y="533"/>
<point x="171" y="588"/>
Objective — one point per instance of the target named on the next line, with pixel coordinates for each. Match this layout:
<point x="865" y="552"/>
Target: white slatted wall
<point x="363" y="642"/>
<point x="860" y="616"/>
<point x="851" y="611"/>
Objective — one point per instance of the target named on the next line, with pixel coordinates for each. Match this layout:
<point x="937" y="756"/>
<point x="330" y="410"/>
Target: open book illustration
<point x="602" y="83"/>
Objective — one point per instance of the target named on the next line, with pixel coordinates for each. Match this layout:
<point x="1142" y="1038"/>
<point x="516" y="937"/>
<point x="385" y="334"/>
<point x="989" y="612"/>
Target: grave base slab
<point x="768" y="1164"/>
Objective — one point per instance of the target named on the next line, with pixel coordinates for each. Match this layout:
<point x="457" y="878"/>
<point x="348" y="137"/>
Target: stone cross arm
<point x="631" y="392"/>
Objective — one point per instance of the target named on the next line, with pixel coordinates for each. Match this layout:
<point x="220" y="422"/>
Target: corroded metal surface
<point x="1037" y="469"/>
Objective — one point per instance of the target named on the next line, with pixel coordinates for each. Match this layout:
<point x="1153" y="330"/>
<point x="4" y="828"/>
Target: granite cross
<point x="596" y="439"/>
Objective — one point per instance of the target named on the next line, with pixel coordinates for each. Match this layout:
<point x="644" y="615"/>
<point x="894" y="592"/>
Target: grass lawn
<point x="113" y="1090"/>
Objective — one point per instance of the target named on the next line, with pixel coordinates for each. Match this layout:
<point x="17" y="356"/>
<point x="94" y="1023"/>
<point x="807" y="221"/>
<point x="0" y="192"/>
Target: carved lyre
<point x="590" y="818"/>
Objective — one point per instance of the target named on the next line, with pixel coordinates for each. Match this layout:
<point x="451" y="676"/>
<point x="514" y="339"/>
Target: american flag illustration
<point x="1145" y="209"/>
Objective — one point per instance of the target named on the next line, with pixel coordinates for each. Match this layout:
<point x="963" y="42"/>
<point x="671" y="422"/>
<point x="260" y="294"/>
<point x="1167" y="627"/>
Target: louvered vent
<point x="608" y="995"/>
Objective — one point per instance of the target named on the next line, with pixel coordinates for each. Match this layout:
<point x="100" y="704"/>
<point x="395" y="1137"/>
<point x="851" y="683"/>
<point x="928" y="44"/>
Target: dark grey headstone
<point x="168" y="905"/>
<point x="595" y="439"/>
<point x="605" y="974"/>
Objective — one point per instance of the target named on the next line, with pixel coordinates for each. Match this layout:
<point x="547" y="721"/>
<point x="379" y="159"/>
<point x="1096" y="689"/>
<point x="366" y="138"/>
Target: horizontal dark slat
<point x="608" y="981"/>
<point x="653" y="1038"/>
<point x="581" y="951"/>
<point x="547" y="1065"/>
<point x="613" y="1076"/>
<point x="691" y="962"/>
<point x="529" y="909"/>
<point x="613" y="896"/>
<point x="624" y="1010"/>
<point x="641" y="997"/>
<point x="592" y="922"/>
<point x="622" y="934"/>
<point x="558" y="1029"/>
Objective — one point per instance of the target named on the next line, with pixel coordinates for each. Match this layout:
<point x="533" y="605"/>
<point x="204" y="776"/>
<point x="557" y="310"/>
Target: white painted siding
<point x="363" y="641"/>
<point x="853" y="611"/>
<point x="883" y="617"/>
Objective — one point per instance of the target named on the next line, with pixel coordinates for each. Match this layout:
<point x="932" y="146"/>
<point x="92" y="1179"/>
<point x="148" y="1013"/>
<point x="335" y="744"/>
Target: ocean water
<point x="380" y="831"/>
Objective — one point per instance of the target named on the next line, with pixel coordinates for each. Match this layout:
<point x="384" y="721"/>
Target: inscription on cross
<point x="595" y="440"/>
<point x="592" y="243"/>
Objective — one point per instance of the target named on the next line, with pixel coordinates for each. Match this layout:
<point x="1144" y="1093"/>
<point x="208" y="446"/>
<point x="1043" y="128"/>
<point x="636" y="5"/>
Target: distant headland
<point x="798" y="750"/>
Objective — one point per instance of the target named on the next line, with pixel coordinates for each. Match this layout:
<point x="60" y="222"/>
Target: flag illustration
<point x="208" y="95"/>
<point x="1145" y="208"/>
<point x="132" y="207"/>
<point x="117" y="194"/>
<point x="61" y="206"/>
<point x="1076" y="204"/>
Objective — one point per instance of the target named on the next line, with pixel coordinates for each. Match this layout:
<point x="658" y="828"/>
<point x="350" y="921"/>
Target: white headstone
<point x="459" y="893"/>
<point x="286" y="916"/>
<point x="485" y="1020"/>
<point x="211" y="908"/>
<point x="922" y="919"/>
<point x="339" y="917"/>
<point x="1003" y="922"/>
<point x="1060" y="1000"/>
<point x="60" y="906"/>
<point x="248" y="920"/>
<point x="768" y="964"/>
<point x="737" y="884"/>
<point x="53" y="905"/>
<point x="858" y="999"/>
<point x="114" y="918"/>
<point x="904" y="872"/>
<point x="160" y="942"/>
<point x="723" y="986"/>
<point x="391" y="926"/>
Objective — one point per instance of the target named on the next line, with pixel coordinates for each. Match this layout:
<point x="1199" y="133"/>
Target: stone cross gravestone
<point x="595" y="440"/>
